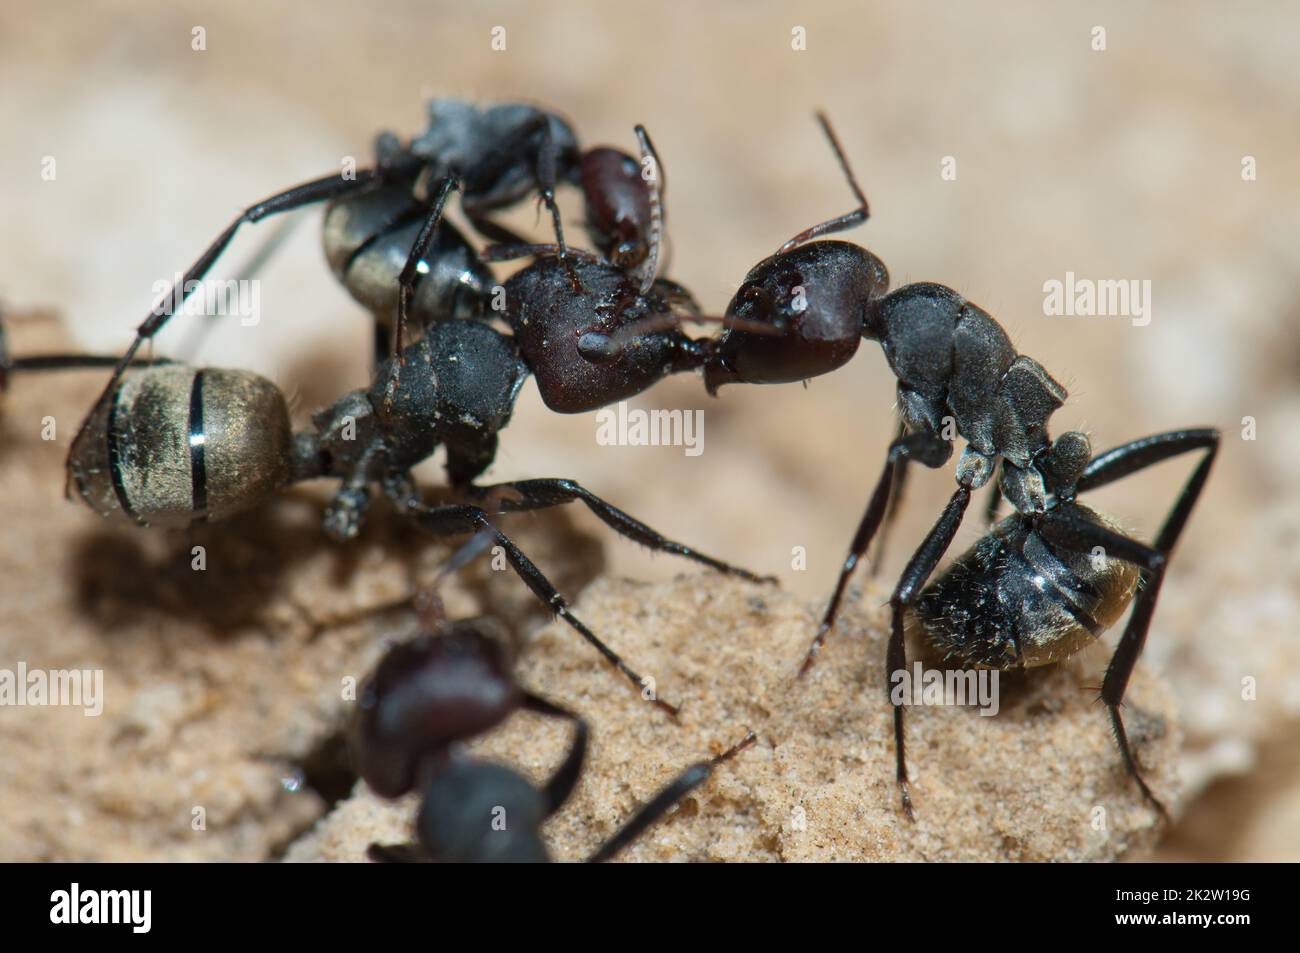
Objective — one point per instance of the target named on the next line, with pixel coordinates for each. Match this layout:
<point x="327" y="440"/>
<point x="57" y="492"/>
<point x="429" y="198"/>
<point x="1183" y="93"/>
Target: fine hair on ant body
<point x="447" y="686"/>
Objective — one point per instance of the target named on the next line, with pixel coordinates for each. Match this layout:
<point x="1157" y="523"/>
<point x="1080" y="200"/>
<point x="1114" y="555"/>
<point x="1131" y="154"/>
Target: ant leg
<point x="661" y="803"/>
<point x="927" y="447"/>
<point x="840" y="223"/>
<point x="453" y="519"/>
<point x="547" y="157"/>
<point x="495" y="231"/>
<point x="565" y="778"/>
<point x="383" y="338"/>
<point x="918" y="571"/>
<point x="406" y="281"/>
<point x="1082" y="536"/>
<point x="545" y="170"/>
<point x="1109" y="466"/>
<point x="63" y="362"/>
<point x="5" y="363"/>
<point x="247" y="271"/>
<point x="1119" y="462"/>
<point x="346" y="512"/>
<point x="545" y="493"/>
<point x="318" y="190"/>
<point x="895" y="502"/>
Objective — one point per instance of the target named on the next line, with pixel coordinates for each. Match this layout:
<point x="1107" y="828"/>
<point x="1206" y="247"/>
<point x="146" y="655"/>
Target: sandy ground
<point x="1120" y="163"/>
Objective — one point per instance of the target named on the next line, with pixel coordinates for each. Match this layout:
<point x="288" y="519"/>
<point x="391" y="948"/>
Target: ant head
<point x="428" y="694"/>
<point x="570" y="338"/>
<point x="619" y="215"/>
<point x="479" y="812"/>
<point x="817" y="298"/>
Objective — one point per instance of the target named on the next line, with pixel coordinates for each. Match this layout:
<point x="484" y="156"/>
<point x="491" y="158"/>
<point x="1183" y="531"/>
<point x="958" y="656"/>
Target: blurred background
<point x="1111" y="142"/>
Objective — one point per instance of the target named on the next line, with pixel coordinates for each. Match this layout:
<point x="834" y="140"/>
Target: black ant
<point x="447" y="686"/>
<point x="385" y="235"/>
<point x="176" y="444"/>
<point x="1046" y="580"/>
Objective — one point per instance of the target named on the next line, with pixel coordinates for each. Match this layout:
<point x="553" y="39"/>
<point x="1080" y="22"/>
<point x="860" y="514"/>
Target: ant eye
<point x="751" y="294"/>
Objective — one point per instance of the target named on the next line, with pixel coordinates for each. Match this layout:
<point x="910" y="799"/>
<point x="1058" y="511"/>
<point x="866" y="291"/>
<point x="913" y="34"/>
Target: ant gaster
<point x="447" y="686"/>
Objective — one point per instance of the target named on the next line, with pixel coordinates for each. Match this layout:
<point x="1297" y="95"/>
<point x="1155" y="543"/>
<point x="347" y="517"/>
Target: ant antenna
<point x="681" y="786"/>
<point x="604" y="347"/>
<point x="650" y="164"/>
<point x="849" y="219"/>
<point x="737" y="748"/>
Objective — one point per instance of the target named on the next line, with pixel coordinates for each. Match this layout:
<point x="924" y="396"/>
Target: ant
<point x="176" y="444"/>
<point x="447" y="686"/>
<point x="1046" y="580"/>
<point x="384" y="233"/>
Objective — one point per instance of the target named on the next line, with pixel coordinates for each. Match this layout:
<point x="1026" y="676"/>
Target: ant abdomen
<point x="175" y="443"/>
<point x="1015" y="601"/>
<point x="819" y="295"/>
<point x="368" y="237"/>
